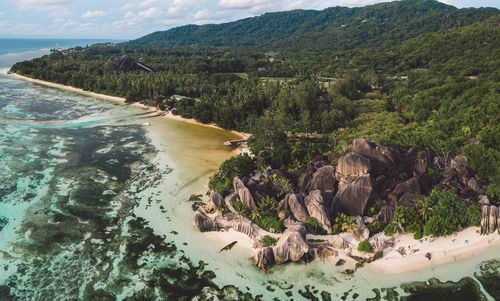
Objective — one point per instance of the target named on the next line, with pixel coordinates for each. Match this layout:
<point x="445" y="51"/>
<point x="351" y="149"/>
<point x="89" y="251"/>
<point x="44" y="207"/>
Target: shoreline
<point x="444" y="250"/>
<point x="166" y="114"/>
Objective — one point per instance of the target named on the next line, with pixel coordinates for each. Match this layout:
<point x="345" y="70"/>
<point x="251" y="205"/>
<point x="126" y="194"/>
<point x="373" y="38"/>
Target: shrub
<point x="239" y="166"/>
<point x="374" y="207"/>
<point x="365" y="246"/>
<point x="343" y="223"/>
<point x="268" y="241"/>
<point x="390" y="229"/>
<point x="376" y="227"/>
<point x="240" y="208"/>
<point x="473" y="215"/>
<point x="282" y="184"/>
<point x="448" y="215"/>
<point x="313" y="226"/>
<point x="493" y="192"/>
<point x="220" y="185"/>
<point x="271" y="224"/>
<point x="403" y="176"/>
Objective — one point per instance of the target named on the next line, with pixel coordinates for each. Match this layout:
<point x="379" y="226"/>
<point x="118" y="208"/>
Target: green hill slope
<point x="336" y="28"/>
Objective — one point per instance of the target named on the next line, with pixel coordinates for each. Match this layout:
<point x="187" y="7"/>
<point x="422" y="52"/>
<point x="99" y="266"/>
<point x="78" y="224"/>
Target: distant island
<point x="373" y="132"/>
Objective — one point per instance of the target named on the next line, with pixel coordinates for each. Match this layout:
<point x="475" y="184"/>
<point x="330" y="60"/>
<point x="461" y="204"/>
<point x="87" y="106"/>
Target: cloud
<point x="95" y="14"/>
<point x="150" y="13"/>
<point x="1" y="14"/>
<point x="147" y="3"/>
<point x="43" y="4"/>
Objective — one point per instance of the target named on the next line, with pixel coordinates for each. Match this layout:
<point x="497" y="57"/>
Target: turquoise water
<point x="84" y="217"/>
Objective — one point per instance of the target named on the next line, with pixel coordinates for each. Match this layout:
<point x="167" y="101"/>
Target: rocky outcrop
<point x="493" y="218"/>
<point x="386" y="214"/>
<point x="361" y="232"/>
<point x="323" y="179"/>
<point x="127" y="64"/>
<point x="303" y="184"/>
<point x="417" y="161"/>
<point x="203" y="222"/>
<point x="384" y="159"/>
<point x="264" y="259"/>
<point x="292" y="246"/>
<point x="490" y="218"/>
<point x="354" y="194"/>
<point x="316" y="208"/>
<point x="409" y="186"/>
<point x="229" y="201"/>
<point x="408" y="199"/>
<point x="296" y="207"/>
<point x="243" y="193"/>
<point x="353" y="164"/>
<point x="338" y="242"/>
<point x="216" y="202"/>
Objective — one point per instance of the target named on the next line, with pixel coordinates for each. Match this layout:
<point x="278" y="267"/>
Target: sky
<point x="130" y="19"/>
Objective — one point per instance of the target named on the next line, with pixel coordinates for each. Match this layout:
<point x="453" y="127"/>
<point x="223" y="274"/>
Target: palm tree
<point x="425" y="208"/>
<point x="255" y="214"/>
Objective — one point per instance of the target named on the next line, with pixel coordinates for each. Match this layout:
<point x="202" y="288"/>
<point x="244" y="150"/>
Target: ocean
<point x="84" y="216"/>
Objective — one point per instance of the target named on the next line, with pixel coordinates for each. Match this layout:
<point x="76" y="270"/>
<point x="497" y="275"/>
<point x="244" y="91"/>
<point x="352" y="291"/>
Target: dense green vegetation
<point x="440" y="214"/>
<point x="335" y="28"/>
<point x="268" y="241"/>
<point x="239" y="166"/>
<point x="365" y="246"/>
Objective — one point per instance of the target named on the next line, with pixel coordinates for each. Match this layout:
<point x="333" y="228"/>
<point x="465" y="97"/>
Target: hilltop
<point x="334" y="28"/>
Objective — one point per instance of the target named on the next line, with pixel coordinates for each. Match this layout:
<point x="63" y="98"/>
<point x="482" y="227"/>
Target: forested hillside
<point x="335" y="28"/>
<point x="439" y="90"/>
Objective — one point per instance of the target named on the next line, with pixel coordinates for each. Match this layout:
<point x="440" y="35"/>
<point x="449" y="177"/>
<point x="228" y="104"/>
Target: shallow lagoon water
<point x="86" y="218"/>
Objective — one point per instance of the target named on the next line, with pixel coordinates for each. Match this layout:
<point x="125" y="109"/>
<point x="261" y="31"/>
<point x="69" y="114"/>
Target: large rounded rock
<point x="323" y="179"/>
<point x="243" y="193"/>
<point x="353" y="164"/>
<point x="203" y="222"/>
<point x="384" y="159"/>
<point x="338" y="242"/>
<point x="297" y="208"/>
<point x="264" y="259"/>
<point x="216" y="198"/>
<point x="417" y="161"/>
<point x="354" y="194"/>
<point x="386" y="214"/>
<point x="485" y="218"/>
<point x="361" y="232"/>
<point x="316" y="208"/>
<point x="292" y="245"/>
<point x="229" y="201"/>
<point x="412" y="186"/>
<point x="493" y="217"/>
